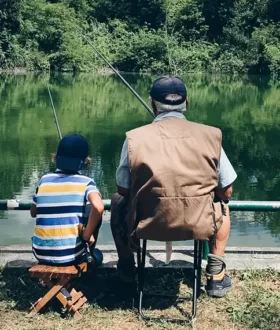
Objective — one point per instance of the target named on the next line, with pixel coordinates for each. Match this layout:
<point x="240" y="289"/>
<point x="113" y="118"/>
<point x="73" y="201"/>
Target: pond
<point x="247" y="109"/>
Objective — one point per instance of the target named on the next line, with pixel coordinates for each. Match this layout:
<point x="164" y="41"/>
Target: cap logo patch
<point x="173" y="97"/>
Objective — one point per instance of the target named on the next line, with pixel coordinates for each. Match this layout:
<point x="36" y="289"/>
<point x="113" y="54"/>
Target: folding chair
<point x="57" y="279"/>
<point x="141" y="258"/>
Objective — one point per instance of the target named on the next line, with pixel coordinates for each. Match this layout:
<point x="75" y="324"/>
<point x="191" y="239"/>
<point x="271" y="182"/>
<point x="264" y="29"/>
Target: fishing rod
<point x="89" y="256"/>
<point x="54" y="113"/>
<point x="119" y="75"/>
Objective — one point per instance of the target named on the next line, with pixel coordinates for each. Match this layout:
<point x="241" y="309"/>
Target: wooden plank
<point x="38" y="274"/>
<point x="33" y="268"/>
<point x="77" y="315"/>
<point x="80" y="303"/>
<point x="46" y="269"/>
<point x="53" y="271"/>
<point x="76" y="297"/>
<point x="36" y="308"/>
<point x="36" y="268"/>
<point x="83" y="267"/>
<point x="36" y="303"/>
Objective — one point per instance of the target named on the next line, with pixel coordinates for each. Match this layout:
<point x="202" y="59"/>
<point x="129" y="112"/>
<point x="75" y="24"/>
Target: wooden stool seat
<point x="57" y="272"/>
<point x="58" y="280"/>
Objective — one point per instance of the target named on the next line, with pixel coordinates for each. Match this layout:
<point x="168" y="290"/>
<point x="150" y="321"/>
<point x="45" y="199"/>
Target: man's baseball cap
<point x="71" y="153"/>
<point x="169" y="90"/>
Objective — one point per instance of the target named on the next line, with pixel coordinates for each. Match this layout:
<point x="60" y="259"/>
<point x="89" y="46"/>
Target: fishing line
<point x="54" y="112"/>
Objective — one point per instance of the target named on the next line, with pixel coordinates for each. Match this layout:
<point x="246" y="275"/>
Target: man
<point x="172" y="179"/>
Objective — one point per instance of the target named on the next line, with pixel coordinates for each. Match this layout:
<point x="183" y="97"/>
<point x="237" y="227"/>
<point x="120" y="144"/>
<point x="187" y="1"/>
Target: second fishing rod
<point x="119" y="75"/>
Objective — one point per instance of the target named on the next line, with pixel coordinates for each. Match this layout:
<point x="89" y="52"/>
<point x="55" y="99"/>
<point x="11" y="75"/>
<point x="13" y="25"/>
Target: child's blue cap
<point x="71" y="153"/>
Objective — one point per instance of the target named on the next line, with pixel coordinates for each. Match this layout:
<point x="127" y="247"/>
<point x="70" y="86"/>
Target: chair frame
<point x="141" y="259"/>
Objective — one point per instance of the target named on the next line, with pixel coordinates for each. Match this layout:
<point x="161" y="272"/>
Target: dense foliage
<point x="234" y="36"/>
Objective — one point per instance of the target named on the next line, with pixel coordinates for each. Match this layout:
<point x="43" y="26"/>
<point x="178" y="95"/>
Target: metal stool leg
<point x="141" y="259"/>
<point x="195" y="279"/>
<point x="199" y="261"/>
<point x="141" y="275"/>
<point x="196" y="275"/>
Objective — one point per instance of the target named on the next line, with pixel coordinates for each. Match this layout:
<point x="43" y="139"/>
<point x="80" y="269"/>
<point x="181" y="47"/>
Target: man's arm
<point x="33" y="211"/>
<point x="97" y="209"/>
<point x="123" y="179"/>
<point x="226" y="177"/>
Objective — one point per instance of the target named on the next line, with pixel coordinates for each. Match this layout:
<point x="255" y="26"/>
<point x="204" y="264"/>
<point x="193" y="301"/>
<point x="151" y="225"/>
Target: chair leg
<point x="195" y="279"/>
<point x="199" y="261"/>
<point x="141" y="275"/>
<point x="139" y="256"/>
<point x="196" y="275"/>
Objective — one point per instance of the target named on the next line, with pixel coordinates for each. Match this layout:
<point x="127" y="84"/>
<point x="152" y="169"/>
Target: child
<point x="59" y="204"/>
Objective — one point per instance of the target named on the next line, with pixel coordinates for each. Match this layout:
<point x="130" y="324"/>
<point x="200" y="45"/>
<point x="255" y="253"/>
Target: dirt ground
<point x="254" y="302"/>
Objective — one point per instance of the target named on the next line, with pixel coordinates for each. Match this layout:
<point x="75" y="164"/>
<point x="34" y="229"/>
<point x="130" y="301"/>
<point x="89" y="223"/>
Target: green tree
<point x="135" y="12"/>
<point x="216" y="14"/>
<point x="9" y="25"/>
<point x="50" y="37"/>
<point x="184" y="18"/>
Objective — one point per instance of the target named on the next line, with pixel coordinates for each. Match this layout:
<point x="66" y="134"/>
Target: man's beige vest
<point x="173" y="164"/>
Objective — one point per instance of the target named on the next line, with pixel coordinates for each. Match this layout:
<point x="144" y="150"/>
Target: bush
<point x="159" y="35"/>
<point x="194" y="57"/>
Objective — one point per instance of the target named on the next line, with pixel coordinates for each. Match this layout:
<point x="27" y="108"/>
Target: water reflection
<point x="102" y="109"/>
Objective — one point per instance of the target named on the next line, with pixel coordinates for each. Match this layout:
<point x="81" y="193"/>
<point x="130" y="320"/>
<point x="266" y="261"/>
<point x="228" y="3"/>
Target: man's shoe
<point x="218" y="285"/>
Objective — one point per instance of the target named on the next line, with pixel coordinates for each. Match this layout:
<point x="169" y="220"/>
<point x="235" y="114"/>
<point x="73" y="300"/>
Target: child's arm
<point x="94" y="218"/>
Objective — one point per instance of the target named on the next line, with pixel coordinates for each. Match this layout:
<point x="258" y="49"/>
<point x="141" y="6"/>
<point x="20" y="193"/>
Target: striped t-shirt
<point x="60" y="201"/>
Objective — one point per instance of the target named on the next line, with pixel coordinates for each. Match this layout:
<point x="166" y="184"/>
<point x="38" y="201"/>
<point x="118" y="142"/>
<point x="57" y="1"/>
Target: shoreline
<point x="237" y="258"/>
<point x="24" y="71"/>
<point x="107" y="71"/>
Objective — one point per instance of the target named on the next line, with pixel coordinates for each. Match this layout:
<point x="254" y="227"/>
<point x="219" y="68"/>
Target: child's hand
<point x="90" y="240"/>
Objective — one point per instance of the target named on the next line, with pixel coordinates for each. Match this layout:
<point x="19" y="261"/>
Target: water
<point x="101" y="108"/>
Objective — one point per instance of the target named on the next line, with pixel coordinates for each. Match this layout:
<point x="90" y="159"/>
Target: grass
<point x="253" y="304"/>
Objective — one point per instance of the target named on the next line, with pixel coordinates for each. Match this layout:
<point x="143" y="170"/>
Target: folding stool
<point x="58" y="279"/>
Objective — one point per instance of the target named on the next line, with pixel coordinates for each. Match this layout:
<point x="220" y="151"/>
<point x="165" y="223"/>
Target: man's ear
<point x="154" y="107"/>
<point x="53" y="157"/>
